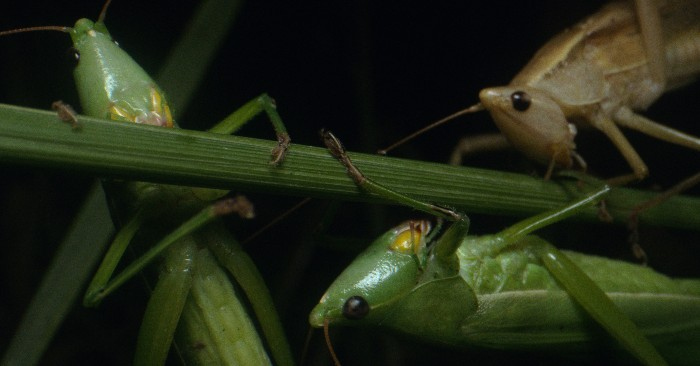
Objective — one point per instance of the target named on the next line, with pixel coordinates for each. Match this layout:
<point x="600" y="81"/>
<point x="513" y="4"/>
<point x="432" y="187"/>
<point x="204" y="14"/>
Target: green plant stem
<point x="129" y="151"/>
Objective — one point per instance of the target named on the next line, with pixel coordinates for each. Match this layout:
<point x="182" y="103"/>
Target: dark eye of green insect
<point x="355" y="308"/>
<point x="521" y="101"/>
<point x="73" y="56"/>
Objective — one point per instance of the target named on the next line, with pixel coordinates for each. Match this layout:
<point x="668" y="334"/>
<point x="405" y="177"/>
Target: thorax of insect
<point x="110" y="84"/>
<point x="605" y="53"/>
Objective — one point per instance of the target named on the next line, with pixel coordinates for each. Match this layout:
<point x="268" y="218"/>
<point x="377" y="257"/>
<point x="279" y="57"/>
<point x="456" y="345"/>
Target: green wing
<point x="522" y="304"/>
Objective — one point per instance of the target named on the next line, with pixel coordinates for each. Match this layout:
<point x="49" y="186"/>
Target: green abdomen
<point x="519" y="269"/>
<point x="521" y="306"/>
<point x="618" y="276"/>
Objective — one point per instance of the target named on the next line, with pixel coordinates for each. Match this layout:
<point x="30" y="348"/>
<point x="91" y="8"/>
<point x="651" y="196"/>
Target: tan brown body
<point x="597" y="73"/>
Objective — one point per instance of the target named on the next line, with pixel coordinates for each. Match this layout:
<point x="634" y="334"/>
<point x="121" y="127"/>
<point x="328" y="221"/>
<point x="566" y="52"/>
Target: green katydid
<point x="111" y="85"/>
<point x="510" y="290"/>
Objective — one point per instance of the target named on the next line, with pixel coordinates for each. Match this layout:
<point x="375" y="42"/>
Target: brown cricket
<point x="598" y="73"/>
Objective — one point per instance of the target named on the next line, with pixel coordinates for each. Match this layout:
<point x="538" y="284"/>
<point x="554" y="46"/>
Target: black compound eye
<point x="521" y="101"/>
<point x="73" y="56"/>
<point x="355" y="308"/>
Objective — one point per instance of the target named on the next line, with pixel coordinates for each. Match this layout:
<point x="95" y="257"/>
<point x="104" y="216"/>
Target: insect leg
<point x="475" y="144"/>
<point x="451" y="238"/>
<point x="650" y="26"/>
<point x="165" y="305"/>
<point x="215" y="327"/>
<point x="112" y="257"/>
<point x="633" y="221"/>
<point x="231" y="255"/>
<point x="517" y="231"/>
<point x="596" y="303"/>
<point x="66" y="113"/>
<point x="263" y="103"/>
<point x="102" y="285"/>
<point x="627" y="118"/>
<point x="576" y="283"/>
<point x="639" y="168"/>
<point x="336" y="148"/>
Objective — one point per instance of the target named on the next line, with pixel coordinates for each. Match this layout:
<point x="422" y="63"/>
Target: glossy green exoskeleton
<point x="193" y="289"/>
<point x="510" y="290"/>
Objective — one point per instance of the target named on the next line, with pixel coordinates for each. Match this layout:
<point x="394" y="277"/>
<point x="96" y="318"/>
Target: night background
<point x="371" y="71"/>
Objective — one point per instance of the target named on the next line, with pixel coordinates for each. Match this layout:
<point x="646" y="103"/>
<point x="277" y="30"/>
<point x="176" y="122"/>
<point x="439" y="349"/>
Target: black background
<point x="372" y="71"/>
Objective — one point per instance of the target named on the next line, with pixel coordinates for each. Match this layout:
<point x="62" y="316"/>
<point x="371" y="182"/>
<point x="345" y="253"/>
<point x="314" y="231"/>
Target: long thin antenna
<point x="103" y="12"/>
<point x="34" y="29"/>
<point x="276" y="220"/>
<point x="336" y="361"/>
<point x="475" y="108"/>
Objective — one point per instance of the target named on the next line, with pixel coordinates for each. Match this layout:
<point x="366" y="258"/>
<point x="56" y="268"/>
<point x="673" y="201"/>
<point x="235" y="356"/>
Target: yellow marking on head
<point x="155" y="99"/>
<point x="120" y="114"/>
<point x="168" y="117"/>
<point x="411" y="239"/>
<point x="161" y="108"/>
<point x="158" y="113"/>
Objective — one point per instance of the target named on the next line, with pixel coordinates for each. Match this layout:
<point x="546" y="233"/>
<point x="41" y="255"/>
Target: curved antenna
<point x="336" y="361"/>
<point x="475" y="108"/>
<point x="35" y="29"/>
<point x="103" y="12"/>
